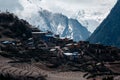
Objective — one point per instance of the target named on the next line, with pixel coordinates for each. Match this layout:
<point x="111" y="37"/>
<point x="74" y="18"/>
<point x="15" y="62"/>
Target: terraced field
<point x="23" y="70"/>
<point x="34" y="72"/>
<point x="52" y="75"/>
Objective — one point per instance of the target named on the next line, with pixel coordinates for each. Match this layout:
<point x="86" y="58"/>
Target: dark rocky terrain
<point x="12" y="27"/>
<point x="26" y="53"/>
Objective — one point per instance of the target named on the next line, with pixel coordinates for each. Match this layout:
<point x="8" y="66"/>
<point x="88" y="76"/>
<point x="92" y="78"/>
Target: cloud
<point x="67" y="7"/>
<point x="10" y="5"/>
<point x="29" y="8"/>
<point x="73" y="6"/>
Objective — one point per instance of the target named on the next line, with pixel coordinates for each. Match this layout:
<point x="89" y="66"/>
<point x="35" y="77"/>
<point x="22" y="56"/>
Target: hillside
<point x="27" y="53"/>
<point x="12" y="28"/>
<point x="108" y="32"/>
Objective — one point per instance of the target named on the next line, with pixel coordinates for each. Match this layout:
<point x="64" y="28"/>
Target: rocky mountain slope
<point x="13" y="28"/>
<point x="108" y="32"/>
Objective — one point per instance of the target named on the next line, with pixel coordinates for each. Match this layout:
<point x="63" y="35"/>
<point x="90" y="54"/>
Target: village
<point x="32" y="45"/>
<point x="82" y="56"/>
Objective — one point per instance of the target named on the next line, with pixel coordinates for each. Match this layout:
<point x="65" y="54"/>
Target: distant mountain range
<point x="108" y="32"/>
<point x="75" y="26"/>
<point x="59" y="24"/>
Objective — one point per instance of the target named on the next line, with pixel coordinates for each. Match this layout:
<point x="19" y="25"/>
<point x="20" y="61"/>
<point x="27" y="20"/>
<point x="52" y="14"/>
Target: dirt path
<point x="66" y="76"/>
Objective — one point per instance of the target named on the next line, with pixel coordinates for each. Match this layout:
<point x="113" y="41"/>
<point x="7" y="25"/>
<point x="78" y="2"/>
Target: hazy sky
<point x="9" y="5"/>
<point x="75" y="5"/>
<point x="59" y="5"/>
<point x="67" y="7"/>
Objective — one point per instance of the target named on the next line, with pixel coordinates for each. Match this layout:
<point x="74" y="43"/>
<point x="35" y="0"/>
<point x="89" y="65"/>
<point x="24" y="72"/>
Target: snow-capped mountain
<point x="108" y="32"/>
<point x="59" y="24"/>
<point x="54" y="22"/>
